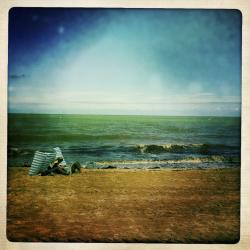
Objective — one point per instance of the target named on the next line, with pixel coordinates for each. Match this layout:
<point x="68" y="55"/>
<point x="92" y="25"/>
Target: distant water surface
<point x="127" y="141"/>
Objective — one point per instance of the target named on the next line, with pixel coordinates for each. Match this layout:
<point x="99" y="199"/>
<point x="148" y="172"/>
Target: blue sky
<point x="125" y="61"/>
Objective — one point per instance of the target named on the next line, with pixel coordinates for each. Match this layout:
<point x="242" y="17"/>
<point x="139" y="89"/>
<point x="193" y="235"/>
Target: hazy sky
<point x="125" y="61"/>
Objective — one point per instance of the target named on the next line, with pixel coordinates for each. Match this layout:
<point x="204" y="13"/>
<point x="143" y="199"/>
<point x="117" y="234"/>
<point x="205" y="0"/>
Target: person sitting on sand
<point x="58" y="168"/>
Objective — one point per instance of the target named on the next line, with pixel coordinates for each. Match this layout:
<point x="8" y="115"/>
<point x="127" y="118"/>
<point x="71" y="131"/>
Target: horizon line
<point x="30" y="113"/>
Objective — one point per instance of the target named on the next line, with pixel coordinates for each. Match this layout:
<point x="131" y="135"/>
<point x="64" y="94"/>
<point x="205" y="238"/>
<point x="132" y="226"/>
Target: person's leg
<point x="49" y="171"/>
<point x="56" y="170"/>
<point x="64" y="171"/>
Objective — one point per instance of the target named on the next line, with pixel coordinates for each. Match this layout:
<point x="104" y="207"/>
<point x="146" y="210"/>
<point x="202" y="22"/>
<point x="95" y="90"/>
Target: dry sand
<point x="190" y="206"/>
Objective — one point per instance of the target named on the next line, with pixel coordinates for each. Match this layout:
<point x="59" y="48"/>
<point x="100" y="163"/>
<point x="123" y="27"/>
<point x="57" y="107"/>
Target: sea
<point x="126" y="141"/>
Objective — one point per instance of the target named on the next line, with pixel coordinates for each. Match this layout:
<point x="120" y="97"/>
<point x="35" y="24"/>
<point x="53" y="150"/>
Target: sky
<point x="124" y="61"/>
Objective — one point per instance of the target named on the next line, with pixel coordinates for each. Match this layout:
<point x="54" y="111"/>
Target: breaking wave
<point x="184" y="148"/>
<point x="189" y="162"/>
<point x="141" y="155"/>
<point x="14" y="151"/>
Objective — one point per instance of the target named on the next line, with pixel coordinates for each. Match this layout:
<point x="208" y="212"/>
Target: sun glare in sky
<point x="125" y="61"/>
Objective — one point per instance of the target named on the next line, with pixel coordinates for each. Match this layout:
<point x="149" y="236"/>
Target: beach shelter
<point x="59" y="154"/>
<point x="41" y="161"/>
<point x="67" y="168"/>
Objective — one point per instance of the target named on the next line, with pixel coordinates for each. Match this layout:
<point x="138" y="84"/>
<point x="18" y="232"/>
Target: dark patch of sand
<point x="112" y="205"/>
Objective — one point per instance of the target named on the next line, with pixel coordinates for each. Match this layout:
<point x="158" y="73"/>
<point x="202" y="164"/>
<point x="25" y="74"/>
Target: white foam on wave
<point x="198" y="162"/>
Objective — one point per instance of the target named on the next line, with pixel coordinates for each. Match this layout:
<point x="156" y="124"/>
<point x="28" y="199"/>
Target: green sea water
<point x="127" y="141"/>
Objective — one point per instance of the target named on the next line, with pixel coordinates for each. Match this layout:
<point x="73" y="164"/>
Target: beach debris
<point x="154" y="167"/>
<point x="109" y="167"/>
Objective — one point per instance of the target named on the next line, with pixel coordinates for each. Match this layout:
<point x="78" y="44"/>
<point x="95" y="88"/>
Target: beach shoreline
<point x="125" y="205"/>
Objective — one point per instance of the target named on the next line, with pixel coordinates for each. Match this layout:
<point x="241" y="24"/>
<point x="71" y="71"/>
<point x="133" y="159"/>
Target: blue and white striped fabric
<point x="67" y="168"/>
<point x="41" y="162"/>
<point x="59" y="154"/>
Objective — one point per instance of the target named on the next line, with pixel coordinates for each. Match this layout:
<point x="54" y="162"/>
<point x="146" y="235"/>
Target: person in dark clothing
<point x="53" y="167"/>
<point x="57" y="168"/>
<point x="76" y="167"/>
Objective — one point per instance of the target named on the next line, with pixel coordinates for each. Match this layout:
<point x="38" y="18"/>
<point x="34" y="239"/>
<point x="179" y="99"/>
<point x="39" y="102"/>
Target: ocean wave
<point x="145" y="150"/>
<point x="14" y="151"/>
<point x="182" y="148"/>
<point x="209" y="159"/>
<point x="189" y="162"/>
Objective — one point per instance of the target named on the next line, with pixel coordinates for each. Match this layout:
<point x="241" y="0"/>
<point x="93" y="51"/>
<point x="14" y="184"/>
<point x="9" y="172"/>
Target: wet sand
<point x="189" y="206"/>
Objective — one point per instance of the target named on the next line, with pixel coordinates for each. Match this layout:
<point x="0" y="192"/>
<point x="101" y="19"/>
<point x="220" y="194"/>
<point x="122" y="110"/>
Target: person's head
<point x="59" y="159"/>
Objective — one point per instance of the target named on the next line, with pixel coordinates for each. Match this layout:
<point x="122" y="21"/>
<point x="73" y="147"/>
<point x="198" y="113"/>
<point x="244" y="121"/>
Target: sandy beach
<point x="112" y="205"/>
